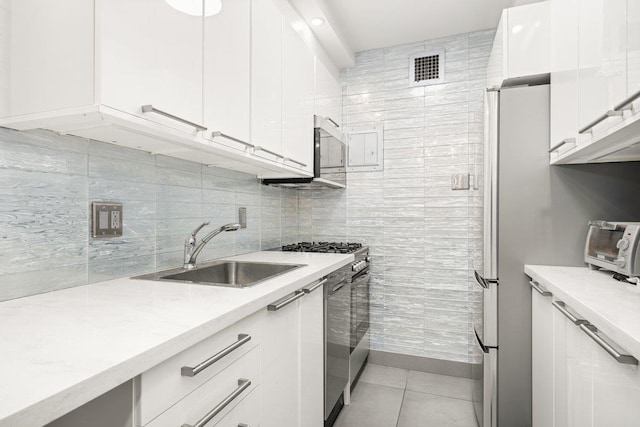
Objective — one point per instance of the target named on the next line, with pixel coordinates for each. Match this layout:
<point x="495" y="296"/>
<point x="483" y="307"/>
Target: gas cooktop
<point x="323" y="247"/>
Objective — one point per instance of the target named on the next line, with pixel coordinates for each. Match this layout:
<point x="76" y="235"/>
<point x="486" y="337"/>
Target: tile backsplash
<point x="424" y="236"/>
<point x="47" y="184"/>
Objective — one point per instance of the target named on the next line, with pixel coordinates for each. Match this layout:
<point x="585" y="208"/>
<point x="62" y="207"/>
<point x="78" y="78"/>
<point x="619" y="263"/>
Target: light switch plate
<point x="107" y="219"/>
<point x="460" y="181"/>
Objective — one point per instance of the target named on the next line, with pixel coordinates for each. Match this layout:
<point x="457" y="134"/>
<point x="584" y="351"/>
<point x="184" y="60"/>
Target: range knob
<point x="622" y="244"/>
<point x="621" y="262"/>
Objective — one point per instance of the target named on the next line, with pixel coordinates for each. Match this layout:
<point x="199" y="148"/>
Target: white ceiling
<point x="370" y="24"/>
<point x="357" y="25"/>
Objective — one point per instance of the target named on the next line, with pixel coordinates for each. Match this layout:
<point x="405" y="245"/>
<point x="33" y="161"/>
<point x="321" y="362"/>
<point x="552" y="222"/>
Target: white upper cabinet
<point x="227" y="81"/>
<point x="602" y="60"/>
<point x="297" y="100"/>
<point x="633" y="48"/>
<point x="328" y="98"/>
<point x="151" y="54"/>
<point x="564" y="72"/>
<point x="521" y="46"/>
<point x="266" y="76"/>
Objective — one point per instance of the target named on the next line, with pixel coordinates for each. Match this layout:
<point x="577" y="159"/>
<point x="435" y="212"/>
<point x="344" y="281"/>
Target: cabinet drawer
<point x="247" y="412"/>
<point x="220" y="395"/>
<point x="165" y="384"/>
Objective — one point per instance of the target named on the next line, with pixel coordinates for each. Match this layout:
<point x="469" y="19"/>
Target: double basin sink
<point x="234" y="274"/>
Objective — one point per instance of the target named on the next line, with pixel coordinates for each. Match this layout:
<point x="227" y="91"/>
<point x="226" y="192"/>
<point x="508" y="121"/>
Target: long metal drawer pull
<point x="561" y="143"/>
<point x="605" y="116"/>
<point x="312" y="288"/>
<point x="243" y="425"/>
<point x="329" y="119"/>
<point x="150" y="109"/>
<point x="622" y="106"/>
<point x="273" y="153"/>
<point x="561" y="306"/>
<point x="288" y="159"/>
<point x="279" y="304"/>
<point x="188" y="371"/>
<point x="217" y="133"/>
<point x="243" y="384"/>
<point x="592" y="331"/>
<point x="537" y="287"/>
<point x="482" y="281"/>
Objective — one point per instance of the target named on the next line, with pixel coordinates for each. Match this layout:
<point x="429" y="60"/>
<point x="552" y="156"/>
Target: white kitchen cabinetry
<point x="633" y="49"/>
<point x="328" y="94"/>
<point x="564" y="73"/>
<point x="150" y="54"/>
<point x="297" y="99"/>
<point x="227" y="81"/>
<point x="542" y="356"/>
<point x="312" y="357"/>
<point x="147" y="76"/>
<point x="266" y="76"/>
<point x="521" y="45"/>
<point x="602" y="64"/>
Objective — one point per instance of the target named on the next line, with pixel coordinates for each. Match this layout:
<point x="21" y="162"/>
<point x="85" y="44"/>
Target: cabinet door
<point x="150" y="54"/>
<point x="564" y="70"/>
<point x="311" y="360"/>
<point x="602" y="77"/>
<point x="281" y="373"/>
<point x="616" y="389"/>
<point x="297" y="99"/>
<point x="633" y="47"/>
<point x="227" y="59"/>
<point x="266" y="76"/>
<point x="328" y="94"/>
<point x="542" y="359"/>
<point x="528" y="40"/>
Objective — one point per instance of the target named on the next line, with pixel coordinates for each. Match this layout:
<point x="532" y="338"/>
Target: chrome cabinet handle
<point x="485" y="283"/>
<point x="217" y="133"/>
<point x="243" y="425"/>
<point x="285" y="301"/>
<point x="592" y="332"/>
<point x="312" y="288"/>
<point x="622" y="106"/>
<point x="243" y="384"/>
<point x="273" y="153"/>
<point x="329" y="119"/>
<point x="561" y="143"/>
<point x="188" y="371"/>
<point x="150" y="109"/>
<point x="336" y="289"/>
<point x="537" y="287"/>
<point x="590" y="126"/>
<point x="288" y="159"/>
<point x="562" y="307"/>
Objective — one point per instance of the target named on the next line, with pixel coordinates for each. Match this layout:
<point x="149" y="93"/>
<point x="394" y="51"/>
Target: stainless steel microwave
<point x="613" y="246"/>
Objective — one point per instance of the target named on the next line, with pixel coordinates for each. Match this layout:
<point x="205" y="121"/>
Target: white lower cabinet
<point x="576" y="382"/>
<point x="312" y="358"/>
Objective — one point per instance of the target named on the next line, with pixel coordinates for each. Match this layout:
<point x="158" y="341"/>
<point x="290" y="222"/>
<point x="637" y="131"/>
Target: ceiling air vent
<point x="426" y="68"/>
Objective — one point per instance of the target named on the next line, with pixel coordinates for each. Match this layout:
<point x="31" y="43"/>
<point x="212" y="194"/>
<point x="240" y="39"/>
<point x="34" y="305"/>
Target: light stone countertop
<point x="62" y="349"/>
<point x="611" y="306"/>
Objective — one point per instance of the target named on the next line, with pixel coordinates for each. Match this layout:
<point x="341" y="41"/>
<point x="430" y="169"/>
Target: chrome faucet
<point x="192" y="248"/>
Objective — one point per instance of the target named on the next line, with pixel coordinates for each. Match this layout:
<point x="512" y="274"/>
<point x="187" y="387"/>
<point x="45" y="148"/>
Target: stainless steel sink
<point x="235" y="274"/>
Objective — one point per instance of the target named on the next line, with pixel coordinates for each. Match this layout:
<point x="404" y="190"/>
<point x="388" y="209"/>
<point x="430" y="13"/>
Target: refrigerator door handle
<point x="484" y="283"/>
<point x="484" y="348"/>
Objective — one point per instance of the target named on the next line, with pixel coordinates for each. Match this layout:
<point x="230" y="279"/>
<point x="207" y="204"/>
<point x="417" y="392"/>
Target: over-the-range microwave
<point x="328" y="159"/>
<point x="613" y="246"/>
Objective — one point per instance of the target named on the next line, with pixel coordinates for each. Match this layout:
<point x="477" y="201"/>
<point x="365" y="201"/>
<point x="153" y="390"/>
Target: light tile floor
<point x="392" y="397"/>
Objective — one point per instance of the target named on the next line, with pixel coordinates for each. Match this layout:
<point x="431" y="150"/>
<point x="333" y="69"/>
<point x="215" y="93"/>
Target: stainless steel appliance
<point x="534" y="214"/>
<point x="346" y="321"/>
<point x="328" y="159"/>
<point x="613" y="246"/>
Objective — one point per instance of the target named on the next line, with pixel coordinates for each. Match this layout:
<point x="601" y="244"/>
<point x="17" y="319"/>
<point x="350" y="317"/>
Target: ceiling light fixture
<point x="316" y="22"/>
<point x="195" y="7"/>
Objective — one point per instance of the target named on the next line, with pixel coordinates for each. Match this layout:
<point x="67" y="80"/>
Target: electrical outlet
<point x="242" y="217"/>
<point x="107" y="219"/>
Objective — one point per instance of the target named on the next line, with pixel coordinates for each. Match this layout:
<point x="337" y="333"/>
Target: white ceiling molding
<point x="329" y="34"/>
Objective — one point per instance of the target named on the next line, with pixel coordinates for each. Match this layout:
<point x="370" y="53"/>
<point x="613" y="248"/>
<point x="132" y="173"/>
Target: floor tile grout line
<point x="439" y="395"/>
<point x="404" y="392"/>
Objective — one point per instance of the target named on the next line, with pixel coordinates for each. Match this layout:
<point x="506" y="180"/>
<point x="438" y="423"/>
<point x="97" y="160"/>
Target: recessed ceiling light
<point x="316" y="22"/>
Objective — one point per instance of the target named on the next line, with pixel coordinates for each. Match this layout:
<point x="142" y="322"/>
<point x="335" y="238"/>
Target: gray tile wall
<point x="47" y="184"/>
<point x="424" y="237"/>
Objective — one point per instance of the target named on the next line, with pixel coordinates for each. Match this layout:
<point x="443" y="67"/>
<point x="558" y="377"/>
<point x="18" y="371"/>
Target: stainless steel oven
<point x="360" y="317"/>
